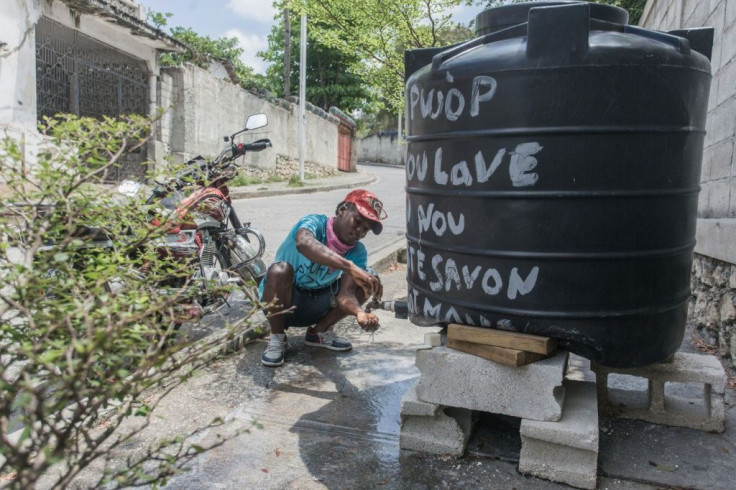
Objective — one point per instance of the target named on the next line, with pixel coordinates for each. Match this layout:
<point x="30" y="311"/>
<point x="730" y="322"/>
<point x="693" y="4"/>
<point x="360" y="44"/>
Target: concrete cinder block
<point x="565" y="451"/>
<point x="447" y="432"/>
<point x="457" y="379"/>
<point x="411" y="405"/>
<point x="720" y="193"/>
<point x="723" y="116"/>
<point x="706" y="413"/>
<point x="722" y="157"/>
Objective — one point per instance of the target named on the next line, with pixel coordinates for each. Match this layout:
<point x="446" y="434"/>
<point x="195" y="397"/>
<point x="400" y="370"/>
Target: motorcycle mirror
<point x="256" y="121"/>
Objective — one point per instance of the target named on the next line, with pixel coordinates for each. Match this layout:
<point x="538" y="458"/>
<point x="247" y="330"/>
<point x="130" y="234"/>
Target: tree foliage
<point x="85" y="332"/>
<point x="202" y="50"/>
<point x="332" y="76"/>
<point x="378" y="32"/>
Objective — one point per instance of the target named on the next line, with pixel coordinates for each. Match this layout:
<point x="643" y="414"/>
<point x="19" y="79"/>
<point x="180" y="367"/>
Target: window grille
<point x="76" y="74"/>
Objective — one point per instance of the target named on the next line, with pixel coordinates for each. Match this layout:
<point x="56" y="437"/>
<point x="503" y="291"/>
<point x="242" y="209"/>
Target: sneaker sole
<point x="272" y="363"/>
<point x="325" y="346"/>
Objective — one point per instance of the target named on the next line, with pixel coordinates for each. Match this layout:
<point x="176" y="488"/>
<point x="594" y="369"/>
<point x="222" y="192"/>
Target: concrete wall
<point x="18" y="18"/>
<point x="17" y="76"/>
<point x="205" y="108"/>
<point x="714" y="271"/>
<point x="384" y="147"/>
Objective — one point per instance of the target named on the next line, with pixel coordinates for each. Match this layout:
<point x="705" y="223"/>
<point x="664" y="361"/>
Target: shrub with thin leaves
<point x="86" y="331"/>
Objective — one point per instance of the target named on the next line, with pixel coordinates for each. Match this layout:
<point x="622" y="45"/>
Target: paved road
<point x="275" y="216"/>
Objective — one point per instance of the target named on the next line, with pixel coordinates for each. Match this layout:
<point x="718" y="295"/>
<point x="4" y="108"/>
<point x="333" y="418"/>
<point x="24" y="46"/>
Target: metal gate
<point x="76" y="74"/>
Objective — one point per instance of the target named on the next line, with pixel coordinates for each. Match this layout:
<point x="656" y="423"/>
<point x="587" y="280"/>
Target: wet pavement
<point x="331" y="420"/>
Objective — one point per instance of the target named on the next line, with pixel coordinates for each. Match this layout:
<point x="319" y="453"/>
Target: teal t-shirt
<point x="308" y="274"/>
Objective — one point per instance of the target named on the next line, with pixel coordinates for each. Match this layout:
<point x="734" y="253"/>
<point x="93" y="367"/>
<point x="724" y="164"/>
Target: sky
<point x="248" y="20"/>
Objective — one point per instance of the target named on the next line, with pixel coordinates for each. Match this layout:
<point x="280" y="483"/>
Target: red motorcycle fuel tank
<point x="206" y="201"/>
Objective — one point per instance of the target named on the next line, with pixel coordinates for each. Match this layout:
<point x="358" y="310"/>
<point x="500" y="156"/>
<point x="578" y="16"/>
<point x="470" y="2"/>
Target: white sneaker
<point x="275" y="351"/>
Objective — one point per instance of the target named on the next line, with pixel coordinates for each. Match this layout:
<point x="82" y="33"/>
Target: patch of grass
<point x="294" y="181"/>
<point x="243" y="180"/>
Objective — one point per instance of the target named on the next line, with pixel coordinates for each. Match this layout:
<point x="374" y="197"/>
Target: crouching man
<point x="320" y="276"/>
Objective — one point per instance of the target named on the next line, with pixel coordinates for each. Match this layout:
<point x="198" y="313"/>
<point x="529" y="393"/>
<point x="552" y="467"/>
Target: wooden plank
<point x="508" y="357"/>
<point x="501" y="338"/>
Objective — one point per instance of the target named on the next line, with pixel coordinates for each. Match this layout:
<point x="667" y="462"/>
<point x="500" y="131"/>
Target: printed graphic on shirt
<point x="308" y="274"/>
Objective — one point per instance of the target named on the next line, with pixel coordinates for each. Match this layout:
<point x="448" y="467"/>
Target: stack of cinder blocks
<point x="559" y="426"/>
<point x="566" y="450"/>
<point x="559" y="417"/>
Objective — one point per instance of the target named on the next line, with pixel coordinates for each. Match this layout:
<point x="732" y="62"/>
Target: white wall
<point x="17" y="75"/>
<point x="717" y="207"/>
<point x="383" y="147"/>
<point x="205" y="108"/>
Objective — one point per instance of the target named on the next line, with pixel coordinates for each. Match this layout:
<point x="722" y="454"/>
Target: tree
<point x="202" y="50"/>
<point x="378" y="32"/>
<point x="332" y="75"/>
<point x="85" y="332"/>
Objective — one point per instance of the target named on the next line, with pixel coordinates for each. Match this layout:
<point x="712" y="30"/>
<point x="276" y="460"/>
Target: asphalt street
<point x="275" y="216"/>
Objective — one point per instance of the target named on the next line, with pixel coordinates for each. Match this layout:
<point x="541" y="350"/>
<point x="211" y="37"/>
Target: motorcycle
<point x="202" y="227"/>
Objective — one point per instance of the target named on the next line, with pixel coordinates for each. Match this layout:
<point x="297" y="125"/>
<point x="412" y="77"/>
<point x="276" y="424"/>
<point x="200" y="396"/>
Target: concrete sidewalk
<point x="331" y="420"/>
<point x="342" y="180"/>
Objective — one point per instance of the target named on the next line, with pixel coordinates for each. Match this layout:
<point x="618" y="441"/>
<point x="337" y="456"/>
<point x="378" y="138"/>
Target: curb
<point x="382" y="164"/>
<point x="245" y="193"/>
<point x="389" y="254"/>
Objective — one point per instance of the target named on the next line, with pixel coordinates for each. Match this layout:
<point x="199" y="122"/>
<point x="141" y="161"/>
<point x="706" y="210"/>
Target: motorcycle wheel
<point x="221" y="263"/>
<point x="250" y="283"/>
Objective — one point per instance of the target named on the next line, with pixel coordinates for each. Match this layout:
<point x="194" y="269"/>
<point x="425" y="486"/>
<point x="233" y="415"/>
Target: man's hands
<point x="371" y="286"/>
<point x="367" y="321"/>
<point x="369" y="283"/>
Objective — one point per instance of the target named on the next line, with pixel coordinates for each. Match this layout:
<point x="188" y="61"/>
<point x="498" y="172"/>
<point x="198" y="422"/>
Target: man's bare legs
<point x="279" y="281"/>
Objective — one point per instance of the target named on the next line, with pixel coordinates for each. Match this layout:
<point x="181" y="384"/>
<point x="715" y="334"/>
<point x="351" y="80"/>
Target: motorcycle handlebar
<point x="199" y="164"/>
<point x="259" y="145"/>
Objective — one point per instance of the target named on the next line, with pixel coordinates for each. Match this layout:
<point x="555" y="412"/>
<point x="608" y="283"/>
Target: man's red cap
<point x="369" y="206"/>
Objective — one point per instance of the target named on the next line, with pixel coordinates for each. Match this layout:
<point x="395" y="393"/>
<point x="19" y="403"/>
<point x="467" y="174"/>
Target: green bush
<point x="84" y="334"/>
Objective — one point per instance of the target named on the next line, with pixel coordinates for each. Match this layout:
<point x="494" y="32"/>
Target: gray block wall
<point x="383" y="147"/>
<point x="205" y="108"/>
<point x="714" y="292"/>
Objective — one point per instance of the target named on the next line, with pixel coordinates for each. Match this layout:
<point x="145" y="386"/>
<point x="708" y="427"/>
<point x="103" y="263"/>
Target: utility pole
<point x="302" y="97"/>
<point x="287" y="54"/>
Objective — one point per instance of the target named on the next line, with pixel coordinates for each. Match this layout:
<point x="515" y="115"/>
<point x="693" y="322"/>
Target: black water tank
<point x="553" y="171"/>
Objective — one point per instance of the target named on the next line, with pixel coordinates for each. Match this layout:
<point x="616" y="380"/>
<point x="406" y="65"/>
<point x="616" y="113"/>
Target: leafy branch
<point x="88" y="313"/>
